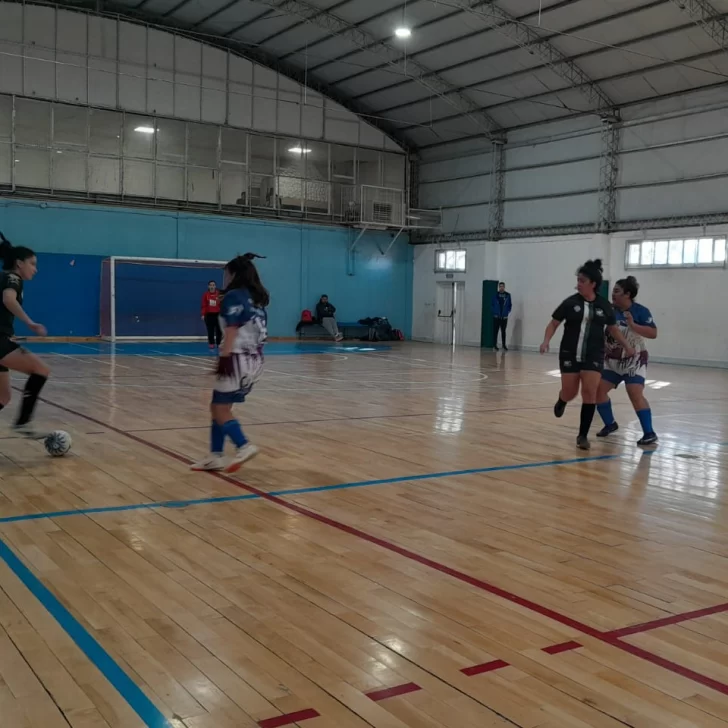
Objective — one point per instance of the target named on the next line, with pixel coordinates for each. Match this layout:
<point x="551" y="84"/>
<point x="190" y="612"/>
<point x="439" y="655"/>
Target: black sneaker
<point x="649" y="439"/>
<point x="559" y="408"/>
<point x="505" y="348"/>
<point x="495" y="348"/>
<point x="583" y="443"/>
<point x="608" y="430"/>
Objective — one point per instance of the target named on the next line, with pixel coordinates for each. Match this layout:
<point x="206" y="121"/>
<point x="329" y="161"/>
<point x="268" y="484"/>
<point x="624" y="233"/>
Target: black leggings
<point x="214" y="333"/>
<point x="499" y="324"/>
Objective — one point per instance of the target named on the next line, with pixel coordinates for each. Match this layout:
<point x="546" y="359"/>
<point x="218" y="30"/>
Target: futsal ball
<point x="58" y="443"/>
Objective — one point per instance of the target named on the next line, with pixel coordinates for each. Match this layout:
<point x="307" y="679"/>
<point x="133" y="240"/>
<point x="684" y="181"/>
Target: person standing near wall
<point x="326" y="314"/>
<point x="211" y="300"/>
<point x="501" y="306"/>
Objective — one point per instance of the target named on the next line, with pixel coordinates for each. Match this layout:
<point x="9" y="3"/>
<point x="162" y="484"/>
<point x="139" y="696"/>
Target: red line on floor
<point x="562" y="647"/>
<point x="288" y="718"/>
<point x="484" y="667"/>
<point x="668" y="621"/>
<point x="473" y="581"/>
<point x="377" y="695"/>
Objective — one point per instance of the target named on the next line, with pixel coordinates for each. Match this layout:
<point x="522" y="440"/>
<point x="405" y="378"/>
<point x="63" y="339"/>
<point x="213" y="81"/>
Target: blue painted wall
<point x="303" y="261"/>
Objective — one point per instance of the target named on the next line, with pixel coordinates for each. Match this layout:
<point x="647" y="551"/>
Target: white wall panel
<point x="456" y="192"/>
<point x="666" y="164"/>
<point x="682" y="198"/>
<point x="552" y="179"/>
<point x="557" y="211"/>
<point x="159" y="73"/>
<point x="463" y="219"/>
<point x="576" y="147"/>
<point x="452" y="168"/>
<point x="11" y="67"/>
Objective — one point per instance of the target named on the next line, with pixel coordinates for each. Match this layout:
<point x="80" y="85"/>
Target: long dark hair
<point x="629" y="285"/>
<point x="245" y="275"/>
<point x="592" y="270"/>
<point x="10" y="255"/>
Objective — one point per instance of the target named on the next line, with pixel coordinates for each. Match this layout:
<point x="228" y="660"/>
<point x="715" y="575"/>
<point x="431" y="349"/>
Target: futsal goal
<point x="155" y="298"/>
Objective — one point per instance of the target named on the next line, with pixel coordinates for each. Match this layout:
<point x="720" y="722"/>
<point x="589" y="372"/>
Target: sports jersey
<point x="633" y="366"/>
<point x="251" y="324"/>
<point x="13" y="281"/>
<point x="584" y="323"/>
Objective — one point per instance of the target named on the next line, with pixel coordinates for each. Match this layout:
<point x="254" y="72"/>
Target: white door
<point x="450" y="313"/>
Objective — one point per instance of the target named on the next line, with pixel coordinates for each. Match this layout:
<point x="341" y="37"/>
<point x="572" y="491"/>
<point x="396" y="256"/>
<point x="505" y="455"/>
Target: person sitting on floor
<point x="326" y="315"/>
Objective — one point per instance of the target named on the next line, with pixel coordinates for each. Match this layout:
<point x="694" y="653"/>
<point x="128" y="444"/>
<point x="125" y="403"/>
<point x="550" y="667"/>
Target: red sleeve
<point x="204" y="303"/>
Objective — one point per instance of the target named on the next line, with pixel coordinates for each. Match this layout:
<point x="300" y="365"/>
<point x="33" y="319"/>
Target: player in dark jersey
<point x="19" y="265"/>
<point x="636" y="324"/>
<point x="240" y="363"/>
<point x="581" y="356"/>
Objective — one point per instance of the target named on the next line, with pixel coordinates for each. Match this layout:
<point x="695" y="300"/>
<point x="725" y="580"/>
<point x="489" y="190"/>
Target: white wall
<point x="689" y="305"/>
<point x="482" y="264"/>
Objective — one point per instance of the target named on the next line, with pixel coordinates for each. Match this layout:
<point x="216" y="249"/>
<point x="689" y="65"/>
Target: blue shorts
<point x="615" y="378"/>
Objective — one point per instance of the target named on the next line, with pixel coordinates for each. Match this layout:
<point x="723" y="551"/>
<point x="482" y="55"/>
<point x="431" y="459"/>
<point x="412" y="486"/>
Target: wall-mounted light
<point x="145" y="129"/>
<point x="403" y="32"/>
<point x="299" y="150"/>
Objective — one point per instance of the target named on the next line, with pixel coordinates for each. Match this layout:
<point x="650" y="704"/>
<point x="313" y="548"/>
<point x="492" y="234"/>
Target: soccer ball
<point x="58" y="443"/>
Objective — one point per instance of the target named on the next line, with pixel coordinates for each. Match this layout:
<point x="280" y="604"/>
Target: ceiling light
<point x="298" y="150"/>
<point x="145" y="129"/>
<point x="403" y="32"/>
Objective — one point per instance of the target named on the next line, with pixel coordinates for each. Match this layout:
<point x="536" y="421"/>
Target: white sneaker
<point x="339" y="337"/>
<point x="246" y="452"/>
<point x="211" y="462"/>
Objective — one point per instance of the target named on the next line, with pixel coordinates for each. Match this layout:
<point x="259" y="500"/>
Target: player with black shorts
<point x="19" y="265"/>
<point x="581" y="356"/>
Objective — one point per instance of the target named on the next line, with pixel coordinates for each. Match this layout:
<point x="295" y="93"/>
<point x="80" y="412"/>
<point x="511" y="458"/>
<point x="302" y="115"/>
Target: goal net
<point x="155" y="298"/>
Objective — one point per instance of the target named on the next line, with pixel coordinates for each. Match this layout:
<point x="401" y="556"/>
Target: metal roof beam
<point x="414" y="70"/>
<point x="528" y="39"/>
<point x="703" y="14"/>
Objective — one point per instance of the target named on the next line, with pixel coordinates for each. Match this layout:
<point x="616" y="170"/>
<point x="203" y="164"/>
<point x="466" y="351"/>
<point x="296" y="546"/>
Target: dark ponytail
<point x="10" y="255"/>
<point x="593" y="270"/>
<point x="245" y="275"/>
<point x="630" y="286"/>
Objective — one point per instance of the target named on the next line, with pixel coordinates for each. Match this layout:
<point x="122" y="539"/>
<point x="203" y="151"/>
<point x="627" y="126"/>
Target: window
<point x="681" y="253"/>
<point x="450" y="260"/>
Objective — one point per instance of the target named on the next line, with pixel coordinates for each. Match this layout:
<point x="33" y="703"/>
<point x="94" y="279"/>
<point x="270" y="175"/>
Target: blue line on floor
<point x="120" y="681"/>
<point x="300" y="491"/>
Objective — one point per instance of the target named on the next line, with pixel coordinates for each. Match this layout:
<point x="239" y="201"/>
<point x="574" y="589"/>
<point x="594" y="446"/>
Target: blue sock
<point x="233" y="430"/>
<point x="217" y="438"/>
<point x="605" y="412"/>
<point x="645" y="416"/>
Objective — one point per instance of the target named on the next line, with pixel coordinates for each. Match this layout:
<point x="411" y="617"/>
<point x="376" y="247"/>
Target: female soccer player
<point x="19" y="265"/>
<point x="581" y="356"/>
<point x="636" y="324"/>
<point x="240" y="363"/>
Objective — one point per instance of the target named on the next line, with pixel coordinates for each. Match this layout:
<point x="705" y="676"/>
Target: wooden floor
<point x="419" y="544"/>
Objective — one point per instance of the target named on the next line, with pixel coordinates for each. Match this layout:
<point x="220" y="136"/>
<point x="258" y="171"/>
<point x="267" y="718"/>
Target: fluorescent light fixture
<point x="299" y="150"/>
<point x="403" y="32"/>
<point x="145" y="129"/>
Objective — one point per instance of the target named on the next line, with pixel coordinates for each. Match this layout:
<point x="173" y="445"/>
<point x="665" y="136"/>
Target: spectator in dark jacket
<point x="501" y="306"/>
<point x="326" y="315"/>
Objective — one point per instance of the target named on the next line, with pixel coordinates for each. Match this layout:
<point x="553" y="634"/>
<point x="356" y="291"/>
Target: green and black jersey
<point x="584" y="324"/>
<point x="11" y="280"/>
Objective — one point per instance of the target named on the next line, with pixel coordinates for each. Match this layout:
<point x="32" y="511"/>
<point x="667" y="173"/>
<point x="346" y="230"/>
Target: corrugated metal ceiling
<point x="520" y="62"/>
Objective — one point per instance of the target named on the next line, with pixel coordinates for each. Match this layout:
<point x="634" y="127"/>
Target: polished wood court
<point x="474" y="570"/>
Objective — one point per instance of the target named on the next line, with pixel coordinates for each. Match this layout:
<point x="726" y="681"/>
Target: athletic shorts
<point x="7" y="346"/>
<point x="235" y="388"/>
<point x="567" y="365"/>
<point x="616" y="378"/>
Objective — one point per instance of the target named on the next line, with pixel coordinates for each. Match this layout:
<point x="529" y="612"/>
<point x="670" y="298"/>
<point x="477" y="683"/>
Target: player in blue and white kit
<point x="243" y="320"/>
<point x="636" y="324"/>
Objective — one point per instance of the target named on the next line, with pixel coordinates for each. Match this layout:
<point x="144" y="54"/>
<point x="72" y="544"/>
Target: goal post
<point x="155" y="298"/>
